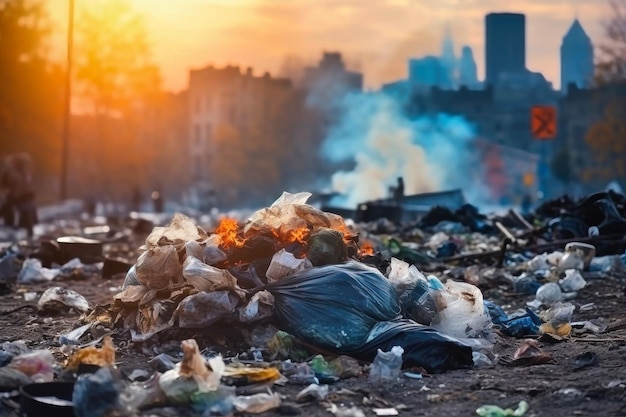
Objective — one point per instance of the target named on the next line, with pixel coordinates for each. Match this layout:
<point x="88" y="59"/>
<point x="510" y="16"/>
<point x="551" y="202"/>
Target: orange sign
<point x="543" y="122"/>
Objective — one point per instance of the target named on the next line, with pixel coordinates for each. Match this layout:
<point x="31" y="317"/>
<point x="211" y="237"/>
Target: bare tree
<point x="611" y="65"/>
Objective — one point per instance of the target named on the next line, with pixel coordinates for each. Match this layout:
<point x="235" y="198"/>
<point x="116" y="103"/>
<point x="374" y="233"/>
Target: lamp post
<point x="68" y="102"/>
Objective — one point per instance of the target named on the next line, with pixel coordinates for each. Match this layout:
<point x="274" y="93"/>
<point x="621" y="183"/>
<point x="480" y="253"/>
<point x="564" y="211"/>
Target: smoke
<point x="430" y="153"/>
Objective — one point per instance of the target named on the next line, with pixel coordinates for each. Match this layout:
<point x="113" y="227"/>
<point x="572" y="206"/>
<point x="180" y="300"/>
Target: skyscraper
<point x="505" y="45"/>
<point x="467" y="68"/>
<point x="576" y="58"/>
<point x="448" y="61"/>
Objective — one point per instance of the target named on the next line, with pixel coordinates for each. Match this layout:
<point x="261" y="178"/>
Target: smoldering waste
<point x="290" y="265"/>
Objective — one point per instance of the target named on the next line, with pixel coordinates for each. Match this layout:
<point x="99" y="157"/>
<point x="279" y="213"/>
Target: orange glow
<point x="228" y="230"/>
<point x="366" y="249"/>
<point x="300" y="235"/>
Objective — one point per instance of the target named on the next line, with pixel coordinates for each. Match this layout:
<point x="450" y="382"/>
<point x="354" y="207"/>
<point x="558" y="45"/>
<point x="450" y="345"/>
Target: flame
<point x="366" y="249"/>
<point x="228" y="232"/>
<point x="299" y="235"/>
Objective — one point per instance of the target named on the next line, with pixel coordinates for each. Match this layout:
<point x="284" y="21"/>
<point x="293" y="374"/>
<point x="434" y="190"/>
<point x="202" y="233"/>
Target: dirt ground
<point x="553" y="389"/>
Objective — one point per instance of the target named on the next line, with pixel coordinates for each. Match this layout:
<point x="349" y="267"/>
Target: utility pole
<point x="68" y="102"/>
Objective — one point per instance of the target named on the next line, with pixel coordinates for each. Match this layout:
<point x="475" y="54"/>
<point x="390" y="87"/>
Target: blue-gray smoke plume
<point x="430" y="153"/>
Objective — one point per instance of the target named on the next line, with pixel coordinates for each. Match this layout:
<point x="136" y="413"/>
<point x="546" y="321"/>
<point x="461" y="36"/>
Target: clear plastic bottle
<point x="386" y="366"/>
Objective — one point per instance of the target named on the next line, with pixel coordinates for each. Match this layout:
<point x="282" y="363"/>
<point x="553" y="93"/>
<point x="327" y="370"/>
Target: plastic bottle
<point x="386" y="366"/>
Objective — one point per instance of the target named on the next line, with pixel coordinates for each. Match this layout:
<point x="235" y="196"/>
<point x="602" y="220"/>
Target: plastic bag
<point x="205" y="308"/>
<point x="208" y="278"/>
<point x="180" y="230"/>
<point x="387" y="366"/>
<point x="463" y="313"/>
<point x="348" y="308"/>
<point x="260" y="306"/>
<point x="334" y="306"/>
<point x="37" y="365"/>
<point x="403" y="276"/>
<point x="32" y="272"/>
<point x="573" y="281"/>
<point x="287" y="214"/>
<point x="159" y="267"/>
<point x="423" y="346"/>
<point x="58" y="299"/>
<point x="284" y="264"/>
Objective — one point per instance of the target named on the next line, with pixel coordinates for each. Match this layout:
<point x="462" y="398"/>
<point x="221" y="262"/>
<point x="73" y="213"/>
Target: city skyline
<point x="375" y="39"/>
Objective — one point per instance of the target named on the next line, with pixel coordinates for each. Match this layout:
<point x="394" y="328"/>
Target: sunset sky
<point x="376" y="36"/>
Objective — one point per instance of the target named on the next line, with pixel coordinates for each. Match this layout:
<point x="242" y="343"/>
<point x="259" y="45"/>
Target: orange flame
<point x="228" y="232"/>
<point x="366" y="249"/>
<point x="299" y="235"/>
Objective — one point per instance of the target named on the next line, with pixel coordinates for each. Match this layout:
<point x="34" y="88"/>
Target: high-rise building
<point x="576" y="58"/>
<point x="505" y="45"/>
<point x="449" y="63"/>
<point x="468" y="76"/>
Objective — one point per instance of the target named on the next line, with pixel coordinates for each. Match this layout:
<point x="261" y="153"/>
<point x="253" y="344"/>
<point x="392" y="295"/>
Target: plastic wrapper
<point x="208" y="278"/>
<point x="386" y="366"/>
<point x="284" y="264"/>
<point x="495" y="411"/>
<point x="251" y="375"/>
<point x="91" y="355"/>
<point x="340" y="368"/>
<point x="573" y="281"/>
<point x="212" y="254"/>
<point x="205" y="308"/>
<point x="299" y="373"/>
<point x="257" y="403"/>
<point x="334" y="306"/>
<point x="180" y="230"/>
<point x="191" y="375"/>
<point x="60" y="299"/>
<point x="159" y="267"/>
<point x="557" y="319"/>
<point x="549" y="294"/>
<point x="313" y="392"/>
<point x="33" y="273"/>
<point x="260" y="306"/>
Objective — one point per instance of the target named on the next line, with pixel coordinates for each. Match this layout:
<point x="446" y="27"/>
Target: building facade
<point x="505" y="45"/>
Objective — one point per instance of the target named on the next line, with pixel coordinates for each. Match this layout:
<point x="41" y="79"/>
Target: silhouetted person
<point x="21" y="195"/>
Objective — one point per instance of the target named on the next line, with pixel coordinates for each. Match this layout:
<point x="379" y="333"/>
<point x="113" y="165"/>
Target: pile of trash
<point x="293" y="286"/>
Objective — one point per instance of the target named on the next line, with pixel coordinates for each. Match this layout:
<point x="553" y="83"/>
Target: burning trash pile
<point x="291" y="265"/>
<point x="301" y="297"/>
